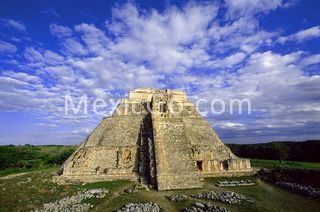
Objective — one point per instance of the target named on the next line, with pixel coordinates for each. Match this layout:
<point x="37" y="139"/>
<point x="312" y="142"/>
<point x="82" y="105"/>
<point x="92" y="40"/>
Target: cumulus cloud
<point x="185" y="48"/>
<point x="22" y="76"/>
<point x="162" y="39"/>
<point x="240" y="8"/>
<point x="280" y="93"/>
<point x="74" y="47"/>
<point x="60" y="31"/>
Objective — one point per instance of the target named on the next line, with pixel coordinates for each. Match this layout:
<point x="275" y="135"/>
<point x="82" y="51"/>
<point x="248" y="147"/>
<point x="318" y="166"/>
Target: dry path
<point x="10" y="176"/>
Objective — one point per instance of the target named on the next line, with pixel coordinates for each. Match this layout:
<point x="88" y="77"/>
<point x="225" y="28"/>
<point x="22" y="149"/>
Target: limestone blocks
<point x="156" y="137"/>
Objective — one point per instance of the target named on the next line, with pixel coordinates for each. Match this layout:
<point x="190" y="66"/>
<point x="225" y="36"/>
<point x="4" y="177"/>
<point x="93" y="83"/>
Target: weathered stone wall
<point x="92" y="160"/>
<point x="116" y="131"/>
<point x="144" y="95"/>
<point x="175" y="168"/>
<point x="110" y="151"/>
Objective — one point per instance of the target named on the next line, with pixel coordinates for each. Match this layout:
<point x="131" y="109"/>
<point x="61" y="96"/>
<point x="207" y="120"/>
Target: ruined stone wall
<point x="93" y="160"/>
<point x="142" y="95"/>
<point x="177" y="96"/>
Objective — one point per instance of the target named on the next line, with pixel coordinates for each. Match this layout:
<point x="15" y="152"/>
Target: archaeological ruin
<point x="156" y="137"/>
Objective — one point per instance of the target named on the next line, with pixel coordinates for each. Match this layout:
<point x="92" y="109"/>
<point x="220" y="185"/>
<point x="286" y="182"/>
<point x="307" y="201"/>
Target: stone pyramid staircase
<point x="174" y="165"/>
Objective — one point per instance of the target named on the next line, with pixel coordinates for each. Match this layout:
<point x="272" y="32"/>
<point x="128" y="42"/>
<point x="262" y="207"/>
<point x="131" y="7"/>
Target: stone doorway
<point x="199" y="165"/>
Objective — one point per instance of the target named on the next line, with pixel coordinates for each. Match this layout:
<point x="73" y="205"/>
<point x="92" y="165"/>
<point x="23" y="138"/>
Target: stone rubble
<point x="140" y="207"/>
<point x="295" y="187"/>
<point x="177" y="197"/>
<point x="74" y="203"/>
<point x="23" y="182"/>
<point x="233" y="183"/>
<point x="129" y="190"/>
<point x="224" y="196"/>
<point x="206" y="207"/>
<point x="290" y="179"/>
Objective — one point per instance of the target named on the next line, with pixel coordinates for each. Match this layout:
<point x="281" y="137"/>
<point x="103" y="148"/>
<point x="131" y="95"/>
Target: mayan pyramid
<point x="156" y="137"/>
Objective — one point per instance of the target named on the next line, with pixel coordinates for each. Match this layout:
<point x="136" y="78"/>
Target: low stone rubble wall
<point x="177" y="197"/>
<point x="298" y="188"/>
<point x="133" y="189"/>
<point x="74" y="203"/>
<point x="233" y="183"/>
<point x="206" y="207"/>
<point x="305" y="182"/>
<point x="140" y="207"/>
<point x="224" y="196"/>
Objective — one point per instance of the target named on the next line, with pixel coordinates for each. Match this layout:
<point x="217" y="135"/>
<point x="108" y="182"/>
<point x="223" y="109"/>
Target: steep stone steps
<point x="175" y="167"/>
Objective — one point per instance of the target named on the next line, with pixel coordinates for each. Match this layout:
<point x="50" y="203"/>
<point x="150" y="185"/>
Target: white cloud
<point x="32" y="54"/>
<point x="94" y="38"/>
<point x="230" y="61"/>
<point x="47" y="125"/>
<point x="162" y="39"/>
<point x="52" y="58"/>
<point x="234" y="59"/>
<point x="303" y="35"/>
<point x="6" y="47"/>
<point x="14" y="24"/>
<point x="83" y="131"/>
<point x="187" y="48"/>
<point x="240" y="8"/>
<point x="22" y="76"/>
<point x="8" y="82"/>
<point x="231" y="125"/>
<point x="73" y="46"/>
<point x="290" y="3"/>
<point x="280" y="93"/>
<point x="307" y="34"/>
<point x="60" y="31"/>
<point x="42" y="56"/>
<point x="311" y="60"/>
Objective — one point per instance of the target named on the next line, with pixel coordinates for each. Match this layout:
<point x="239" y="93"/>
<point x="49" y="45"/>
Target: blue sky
<point x="267" y="51"/>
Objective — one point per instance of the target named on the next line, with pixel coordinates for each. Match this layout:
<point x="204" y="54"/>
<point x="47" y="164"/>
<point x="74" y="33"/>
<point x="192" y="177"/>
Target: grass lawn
<point x="291" y="164"/>
<point x="11" y="171"/>
<point x="30" y="191"/>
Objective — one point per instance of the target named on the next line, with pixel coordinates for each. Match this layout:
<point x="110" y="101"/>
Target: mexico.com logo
<point x="100" y="106"/>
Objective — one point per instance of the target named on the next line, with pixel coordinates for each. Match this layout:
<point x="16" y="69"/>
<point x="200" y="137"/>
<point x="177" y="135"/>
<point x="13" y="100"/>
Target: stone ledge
<point x="231" y="173"/>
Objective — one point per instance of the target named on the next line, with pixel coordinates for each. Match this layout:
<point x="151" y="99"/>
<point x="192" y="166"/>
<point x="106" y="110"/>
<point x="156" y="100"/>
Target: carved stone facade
<point x="156" y="137"/>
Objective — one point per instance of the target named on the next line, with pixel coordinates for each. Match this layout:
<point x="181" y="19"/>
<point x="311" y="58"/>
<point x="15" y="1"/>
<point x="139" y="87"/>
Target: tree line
<point x="296" y="151"/>
<point x="29" y="156"/>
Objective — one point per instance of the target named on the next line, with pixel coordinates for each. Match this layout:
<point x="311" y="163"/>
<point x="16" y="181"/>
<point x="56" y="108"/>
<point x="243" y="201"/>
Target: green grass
<point x="270" y="198"/>
<point x="265" y="197"/>
<point x="10" y="171"/>
<point x="30" y="191"/>
<point x="289" y="164"/>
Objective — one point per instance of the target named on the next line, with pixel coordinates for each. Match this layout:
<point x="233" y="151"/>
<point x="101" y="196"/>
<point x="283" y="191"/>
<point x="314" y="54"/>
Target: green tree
<point x="280" y="150"/>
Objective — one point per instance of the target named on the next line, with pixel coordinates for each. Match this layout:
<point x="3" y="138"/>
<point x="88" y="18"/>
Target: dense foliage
<point x="294" y="151"/>
<point x="29" y="156"/>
